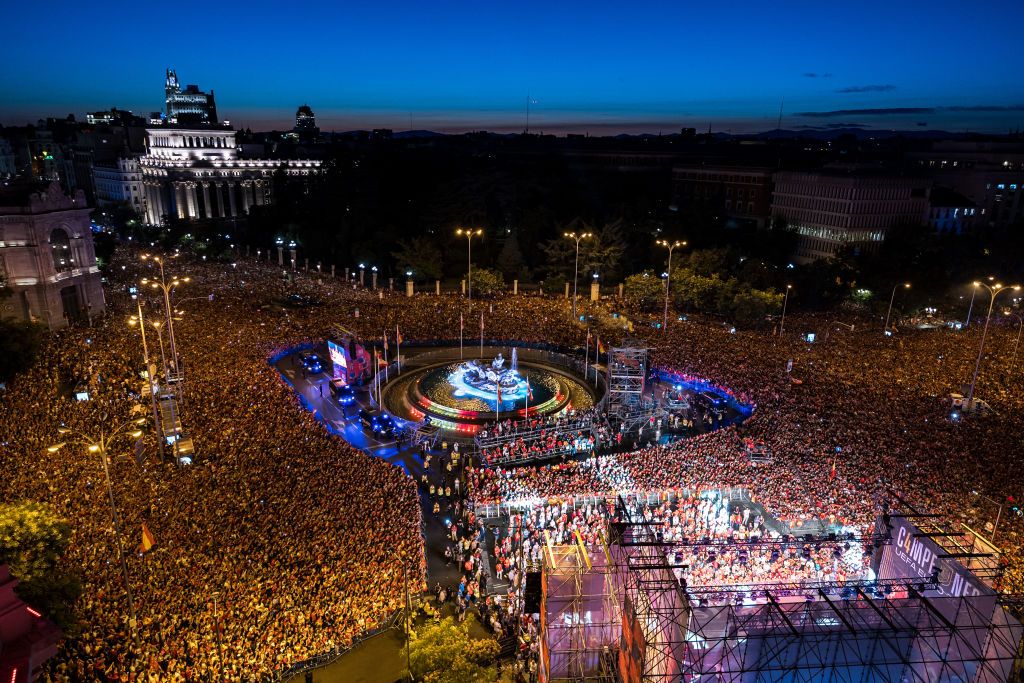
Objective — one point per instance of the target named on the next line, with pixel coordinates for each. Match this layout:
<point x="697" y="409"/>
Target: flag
<point x="499" y="394"/>
<point x="385" y="343"/>
<point x="398" y="335"/>
<point x="529" y="391"/>
<point x="600" y="346"/>
<point x="589" y="336"/>
<point x="481" y="323"/>
<point x="462" y="322"/>
<point x="148" y="541"/>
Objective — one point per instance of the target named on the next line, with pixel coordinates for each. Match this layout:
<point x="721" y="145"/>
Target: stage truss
<point x="885" y="629"/>
<point x="627" y="372"/>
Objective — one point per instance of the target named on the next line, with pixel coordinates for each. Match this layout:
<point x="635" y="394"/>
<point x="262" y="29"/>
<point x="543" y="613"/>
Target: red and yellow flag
<point x="148" y="540"/>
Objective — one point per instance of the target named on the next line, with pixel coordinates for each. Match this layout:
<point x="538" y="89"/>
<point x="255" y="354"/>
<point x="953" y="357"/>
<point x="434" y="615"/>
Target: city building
<point x="120" y="182"/>
<point x="834" y="208"/>
<point x="988" y="173"/>
<point x="196" y="172"/>
<point x="46" y="255"/>
<point x="190" y="106"/>
<point x="8" y="168"/>
<point x="741" y="194"/>
<point x="950" y="211"/>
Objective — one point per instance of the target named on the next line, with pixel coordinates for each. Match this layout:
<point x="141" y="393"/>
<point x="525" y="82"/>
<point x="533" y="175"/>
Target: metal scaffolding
<point x="627" y="371"/>
<point x="580" y="615"/>
<point x="922" y="627"/>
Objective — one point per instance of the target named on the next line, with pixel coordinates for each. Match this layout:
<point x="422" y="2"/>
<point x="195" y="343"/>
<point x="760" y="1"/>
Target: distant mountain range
<point x="812" y="133"/>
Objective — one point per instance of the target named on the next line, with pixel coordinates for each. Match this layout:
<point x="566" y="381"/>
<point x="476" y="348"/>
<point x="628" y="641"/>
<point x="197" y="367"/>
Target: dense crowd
<point x="299" y="538"/>
<point x="296" y="535"/>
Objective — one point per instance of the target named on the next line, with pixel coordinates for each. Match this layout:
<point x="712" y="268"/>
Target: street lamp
<point x="906" y="285"/>
<point x="994" y="291"/>
<point x="100" y="446"/>
<point x="140" y="321"/>
<point x="785" y="302"/>
<point x="166" y="287"/>
<point x="576" y="238"/>
<point x="671" y="246"/>
<point x="469" y="234"/>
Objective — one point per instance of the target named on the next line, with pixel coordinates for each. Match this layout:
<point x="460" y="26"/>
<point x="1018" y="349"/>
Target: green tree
<point x="32" y="540"/>
<point x="750" y="307"/>
<point x="487" y="282"/>
<point x="443" y="652"/>
<point x="422" y="256"/>
<point x="20" y="343"/>
<point x="644" y="290"/>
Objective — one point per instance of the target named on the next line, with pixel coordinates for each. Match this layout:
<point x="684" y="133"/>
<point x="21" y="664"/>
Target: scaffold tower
<point x="627" y="371"/>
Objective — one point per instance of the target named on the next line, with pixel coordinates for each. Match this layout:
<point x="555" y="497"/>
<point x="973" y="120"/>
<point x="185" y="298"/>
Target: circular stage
<point x="461" y="396"/>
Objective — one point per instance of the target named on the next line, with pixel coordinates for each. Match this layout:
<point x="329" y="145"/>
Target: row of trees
<point x="690" y="291"/>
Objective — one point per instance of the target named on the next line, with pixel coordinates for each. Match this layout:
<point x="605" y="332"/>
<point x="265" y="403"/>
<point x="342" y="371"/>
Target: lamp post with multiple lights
<point x="576" y="272"/>
<point x="140" y="321"/>
<point x="469" y="234"/>
<point x="166" y="287"/>
<point x="671" y="246"/>
<point x="100" y="446"/>
<point x="993" y="291"/>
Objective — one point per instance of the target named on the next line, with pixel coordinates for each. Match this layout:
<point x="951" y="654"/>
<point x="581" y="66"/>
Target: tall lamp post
<point x="576" y="271"/>
<point x="100" y="446"/>
<point x="671" y="246"/>
<point x="149" y="375"/>
<point x="785" y="302"/>
<point x="993" y="291"/>
<point x="906" y="285"/>
<point x="469" y="234"/>
<point x="166" y="287"/>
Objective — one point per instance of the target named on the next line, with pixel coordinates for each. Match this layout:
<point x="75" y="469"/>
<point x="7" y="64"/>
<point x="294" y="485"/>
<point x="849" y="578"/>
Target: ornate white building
<point x="120" y="182"/>
<point x="47" y="256"/>
<point x="197" y="173"/>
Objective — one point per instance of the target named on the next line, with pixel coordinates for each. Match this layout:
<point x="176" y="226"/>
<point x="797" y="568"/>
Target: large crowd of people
<point x="295" y="535"/>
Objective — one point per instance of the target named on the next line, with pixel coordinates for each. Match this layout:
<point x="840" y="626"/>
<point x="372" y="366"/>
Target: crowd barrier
<point x="333" y="655"/>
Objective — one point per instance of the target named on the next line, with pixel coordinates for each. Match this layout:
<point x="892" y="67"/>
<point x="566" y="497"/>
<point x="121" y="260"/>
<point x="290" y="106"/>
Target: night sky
<point x="597" y="67"/>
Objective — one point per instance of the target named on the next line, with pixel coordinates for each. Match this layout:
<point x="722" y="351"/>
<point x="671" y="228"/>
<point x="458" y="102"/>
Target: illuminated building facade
<point x="835" y="208"/>
<point x="120" y="182"/>
<point x="46" y="255"/>
<point x="188" y="106"/>
<point x="196" y="172"/>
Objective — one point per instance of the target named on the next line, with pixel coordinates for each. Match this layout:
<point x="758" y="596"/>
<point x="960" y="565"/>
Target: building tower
<point x="305" y="123"/>
<point x="189" y="106"/>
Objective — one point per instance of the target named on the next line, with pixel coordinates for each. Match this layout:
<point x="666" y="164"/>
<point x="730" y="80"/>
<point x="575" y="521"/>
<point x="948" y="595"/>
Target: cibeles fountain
<point x="460" y="394"/>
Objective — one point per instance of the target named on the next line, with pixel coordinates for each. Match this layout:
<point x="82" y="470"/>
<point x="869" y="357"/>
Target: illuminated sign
<point x="339" y="360"/>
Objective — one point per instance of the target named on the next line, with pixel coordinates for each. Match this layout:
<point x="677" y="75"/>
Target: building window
<point x="60" y="249"/>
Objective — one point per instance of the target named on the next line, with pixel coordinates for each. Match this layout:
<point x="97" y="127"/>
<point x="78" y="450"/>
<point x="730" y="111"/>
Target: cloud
<point x="898" y="111"/>
<point x="867" y="88"/>
<point x="866" y="112"/>
<point x="811" y="74"/>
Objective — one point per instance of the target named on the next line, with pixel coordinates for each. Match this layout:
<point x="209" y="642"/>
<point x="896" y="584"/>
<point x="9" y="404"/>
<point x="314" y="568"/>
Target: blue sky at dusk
<point x="598" y="67"/>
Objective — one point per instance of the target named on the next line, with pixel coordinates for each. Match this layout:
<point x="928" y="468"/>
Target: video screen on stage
<point x="339" y="360"/>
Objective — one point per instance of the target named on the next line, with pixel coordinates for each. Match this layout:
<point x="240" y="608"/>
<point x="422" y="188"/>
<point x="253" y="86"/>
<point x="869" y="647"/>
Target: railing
<point x="333" y="655"/>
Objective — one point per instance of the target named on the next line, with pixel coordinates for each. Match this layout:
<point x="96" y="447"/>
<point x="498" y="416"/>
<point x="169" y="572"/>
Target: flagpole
<point x="385" y="356"/>
<point x="398" y="348"/>
<point x="481" y="335"/>
<point x="462" y="330"/>
<point x="586" y="357"/>
<point x="597" y="358"/>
